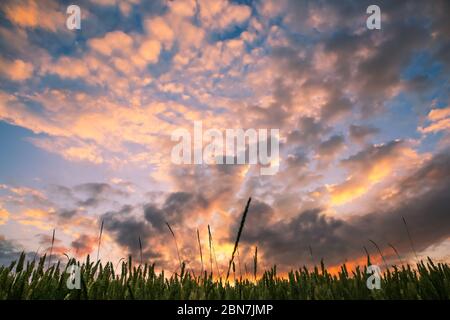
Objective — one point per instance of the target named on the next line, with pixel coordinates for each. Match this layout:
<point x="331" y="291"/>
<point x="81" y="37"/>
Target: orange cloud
<point x="218" y="14"/>
<point x="159" y="29"/>
<point x="115" y="41"/>
<point x="347" y="191"/>
<point x="440" y="121"/>
<point x="35" y="217"/>
<point x="17" y="70"/>
<point x="183" y="8"/>
<point x="370" y="167"/>
<point x="35" y="213"/>
<point x="439" y="114"/>
<point x="35" y="223"/>
<point x="84" y="245"/>
<point x="149" y="50"/>
<point x="4" y="216"/>
<point x="36" y="14"/>
<point x="67" y="68"/>
<point x="124" y="5"/>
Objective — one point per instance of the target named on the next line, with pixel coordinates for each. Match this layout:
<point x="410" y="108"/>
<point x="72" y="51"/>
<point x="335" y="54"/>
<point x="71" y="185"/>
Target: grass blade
<point x="241" y="227"/>
<point x="210" y="250"/>
<point x="140" y="248"/>
<point x="396" y="252"/>
<point x="99" y="240"/>
<point x="176" y="244"/>
<point x="379" y="251"/>
<point x="219" y="273"/>
<point x="410" y="238"/>
<point x="200" y="248"/>
<point x="255" y="263"/>
<point x="51" y="249"/>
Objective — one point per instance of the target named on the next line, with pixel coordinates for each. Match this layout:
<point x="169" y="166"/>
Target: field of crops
<point x="33" y="280"/>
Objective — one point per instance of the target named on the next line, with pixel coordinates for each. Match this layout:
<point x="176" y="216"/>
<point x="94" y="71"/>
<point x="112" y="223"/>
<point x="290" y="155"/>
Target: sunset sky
<point x="86" y="118"/>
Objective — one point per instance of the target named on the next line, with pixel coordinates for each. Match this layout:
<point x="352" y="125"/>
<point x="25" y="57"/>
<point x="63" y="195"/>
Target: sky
<point x="86" y="118"/>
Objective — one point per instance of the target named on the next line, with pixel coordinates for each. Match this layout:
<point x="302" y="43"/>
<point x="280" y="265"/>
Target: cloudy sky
<point x="86" y="118"/>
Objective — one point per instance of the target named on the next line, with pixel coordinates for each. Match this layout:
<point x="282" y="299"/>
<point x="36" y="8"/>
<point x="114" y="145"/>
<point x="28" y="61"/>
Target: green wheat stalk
<point x="241" y="227"/>
<point x="200" y="248"/>
<point x="99" y="240"/>
<point x="176" y="244"/>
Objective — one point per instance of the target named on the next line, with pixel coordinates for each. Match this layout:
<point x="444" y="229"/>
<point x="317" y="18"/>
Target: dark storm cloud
<point x="155" y="216"/>
<point x="258" y="217"/>
<point x="67" y="213"/>
<point x="331" y="146"/>
<point x="336" y="107"/>
<point x="435" y="172"/>
<point x="360" y="133"/>
<point x="426" y="212"/>
<point x="84" y="244"/>
<point x="218" y="183"/>
<point x="309" y="131"/>
<point x="94" y="193"/>
<point x="175" y="208"/>
<point x="372" y="154"/>
<point x="127" y="229"/>
<point x="9" y="251"/>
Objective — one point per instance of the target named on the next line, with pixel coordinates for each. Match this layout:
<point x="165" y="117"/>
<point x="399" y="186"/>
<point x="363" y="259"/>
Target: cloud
<point x="9" y="251"/>
<point x="329" y="149"/>
<point x="309" y="132"/>
<point x="115" y="41"/>
<point x="69" y="150"/>
<point x="67" y="68"/>
<point x="125" y="6"/>
<point x="370" y="166"/>
<point x="55" y="245"/>
<point x="158" y="28"/>
<point x="92" y="194"/>
<point x="336" y="240"/>
<point x="177" y="207"/>
<point x="217" y="14"/>
<point x="150" y="50"/>
<point x="56" y="208"/>
<point x="127" y="229"/>
<point x="440" y="121"/>
<point x="84" y="245"/>
<point x="183" y="8"/>
<point x="4" y="216"/>
<point x="35" y="217"/>
<point x="67" y="213"/>
<point x="17" y="70"/>
<point x="45" y="14"/>
<point x="360" y="133"/>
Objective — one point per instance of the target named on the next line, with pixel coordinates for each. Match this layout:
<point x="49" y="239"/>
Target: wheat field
<point x="31" y="280"/>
